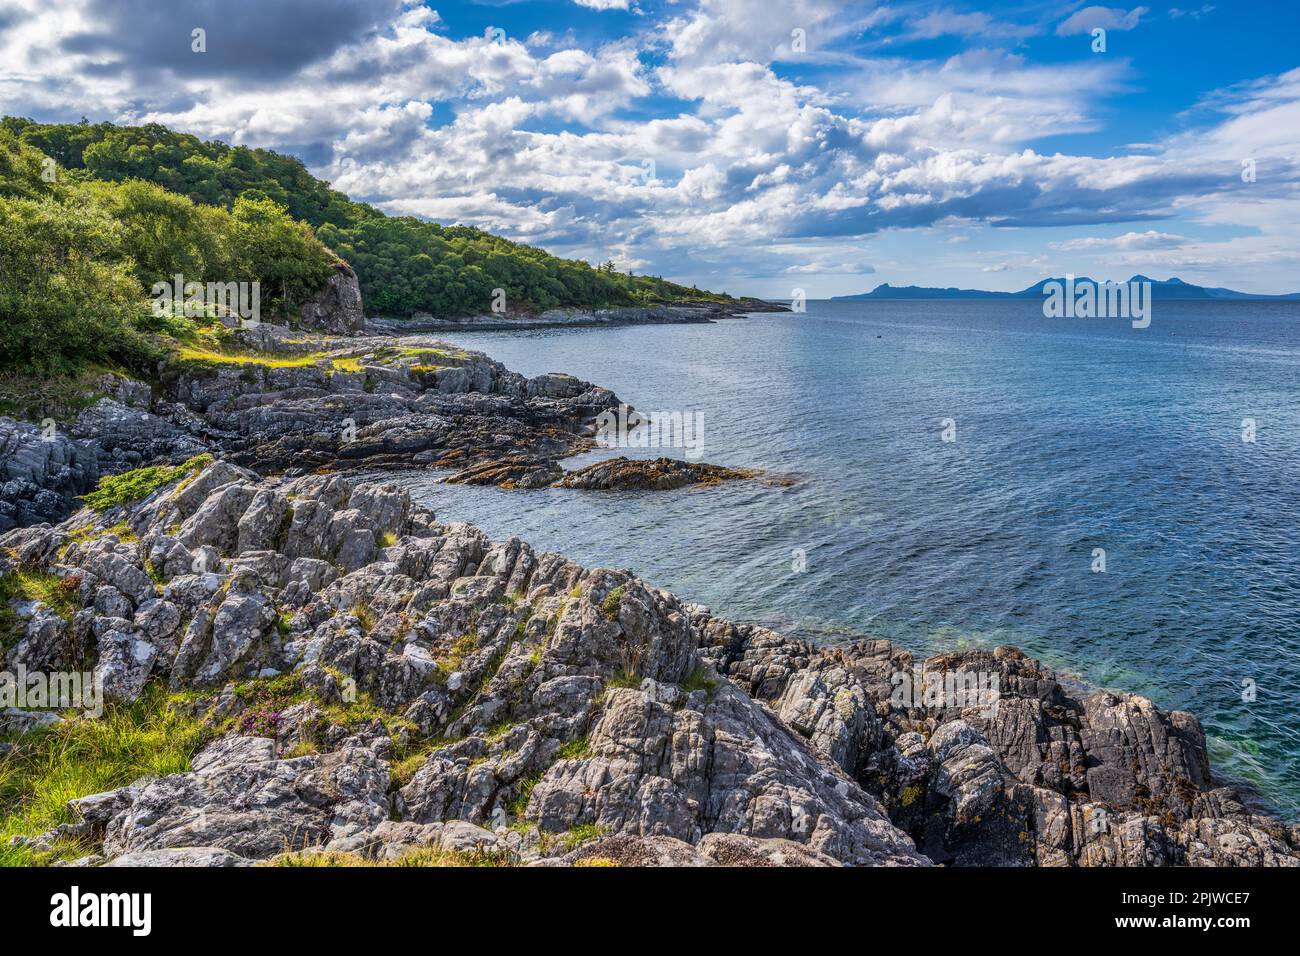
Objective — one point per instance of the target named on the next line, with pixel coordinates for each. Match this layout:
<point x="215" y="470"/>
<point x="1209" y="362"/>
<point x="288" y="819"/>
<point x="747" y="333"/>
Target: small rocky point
<point x="654" y="474"/>
<point x="389" y="684"/>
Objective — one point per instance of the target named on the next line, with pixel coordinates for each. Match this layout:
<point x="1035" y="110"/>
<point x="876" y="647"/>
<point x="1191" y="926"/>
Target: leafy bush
<point x="66" y="297"/>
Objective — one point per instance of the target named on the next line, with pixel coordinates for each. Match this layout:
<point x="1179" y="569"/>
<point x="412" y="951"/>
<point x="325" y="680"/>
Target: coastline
<point x="573" y="318"/>
<point x="927" y="782"/>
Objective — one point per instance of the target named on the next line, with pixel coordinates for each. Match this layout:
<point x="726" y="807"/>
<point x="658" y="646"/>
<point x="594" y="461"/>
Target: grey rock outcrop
<point x="382" y="402"/>
<point x="43" y="470"/>
<point x="1037" y="773"/>
<point x="41" y="473"/>
<point x="336" y="309"/>
<point x="639" y="474"/>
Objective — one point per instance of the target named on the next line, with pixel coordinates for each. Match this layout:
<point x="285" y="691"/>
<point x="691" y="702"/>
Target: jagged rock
<point x="227" y="641"/>
<point x="125" y="661"/>
<point x="652" y="771"/>
<point x="41" y="473"/>
<point x="414" y="401"/>
<point x="1035" y="775"/>
<point x="514" y="472"/>
<point x="393" y="839"/>
<point x="336" y="308"/>
<point x="736" y="849"/>
<point x="1140" y="753"/>
<point x="47" y="643"/>
<point x="43" y="470"/>
<point x="16" y="720"/>
<point x="126" y="435"/>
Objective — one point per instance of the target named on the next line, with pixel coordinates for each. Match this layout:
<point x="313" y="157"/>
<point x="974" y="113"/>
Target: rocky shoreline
<point x="372" y="681"/>
<point x="426" y="687"/>
<point x="314" y="403"/>
<point x="682" y="314"/>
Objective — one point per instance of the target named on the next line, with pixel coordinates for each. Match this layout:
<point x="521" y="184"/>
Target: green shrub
<point x="65" y="298"/>
<point x="611" y="602"/>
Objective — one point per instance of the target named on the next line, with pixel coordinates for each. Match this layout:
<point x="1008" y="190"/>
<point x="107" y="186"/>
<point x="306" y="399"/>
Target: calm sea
<point x="1069" y="436"/>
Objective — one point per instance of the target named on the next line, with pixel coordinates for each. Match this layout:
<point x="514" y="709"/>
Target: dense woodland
<point x="404" y="265"/>
<point x="78" y="258"/>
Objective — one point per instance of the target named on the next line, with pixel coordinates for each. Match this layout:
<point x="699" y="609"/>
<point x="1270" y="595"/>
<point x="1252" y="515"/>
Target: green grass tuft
<point x="134" y="485"/>
<point x="27" y="583"/>
<point x="202" y="356"/>
<point x="47" y="768"/>
<point x="574" y="749"/>
<point x="347" y="365"/>
<point x="698" y="680"/>
<point x="625" y="678"/>
<point x="582" y="833"/>
<point x="518" y="805"/>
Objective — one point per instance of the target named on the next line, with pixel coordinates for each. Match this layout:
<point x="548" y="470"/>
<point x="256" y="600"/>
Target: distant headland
<point x="1172" y="288"/>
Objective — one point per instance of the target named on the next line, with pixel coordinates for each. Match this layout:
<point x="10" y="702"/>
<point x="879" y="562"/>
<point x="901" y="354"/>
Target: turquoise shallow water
<point x="1071" y="435"/>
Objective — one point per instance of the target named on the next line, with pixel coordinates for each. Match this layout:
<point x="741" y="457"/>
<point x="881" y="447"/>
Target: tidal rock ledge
<point x="654" y="474"/>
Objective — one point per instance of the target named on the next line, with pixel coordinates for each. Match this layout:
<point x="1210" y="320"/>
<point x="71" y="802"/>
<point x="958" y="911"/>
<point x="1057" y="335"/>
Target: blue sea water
<point x="1071" y="435"/>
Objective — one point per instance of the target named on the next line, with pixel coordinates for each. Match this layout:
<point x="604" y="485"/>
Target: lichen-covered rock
<point x="202" y="856"/>
<point x="627" y="850"/>
<point x="393" y="839"/>
<point x="736" y="849"/>
<point x="238" y="797"/>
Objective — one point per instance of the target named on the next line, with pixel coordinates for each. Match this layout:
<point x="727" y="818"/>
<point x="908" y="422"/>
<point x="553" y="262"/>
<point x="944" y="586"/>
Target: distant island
<point x="1172" y="288"/>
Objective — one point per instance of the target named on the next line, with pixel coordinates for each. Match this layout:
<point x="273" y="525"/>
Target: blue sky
<point x="755" y="146"/>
